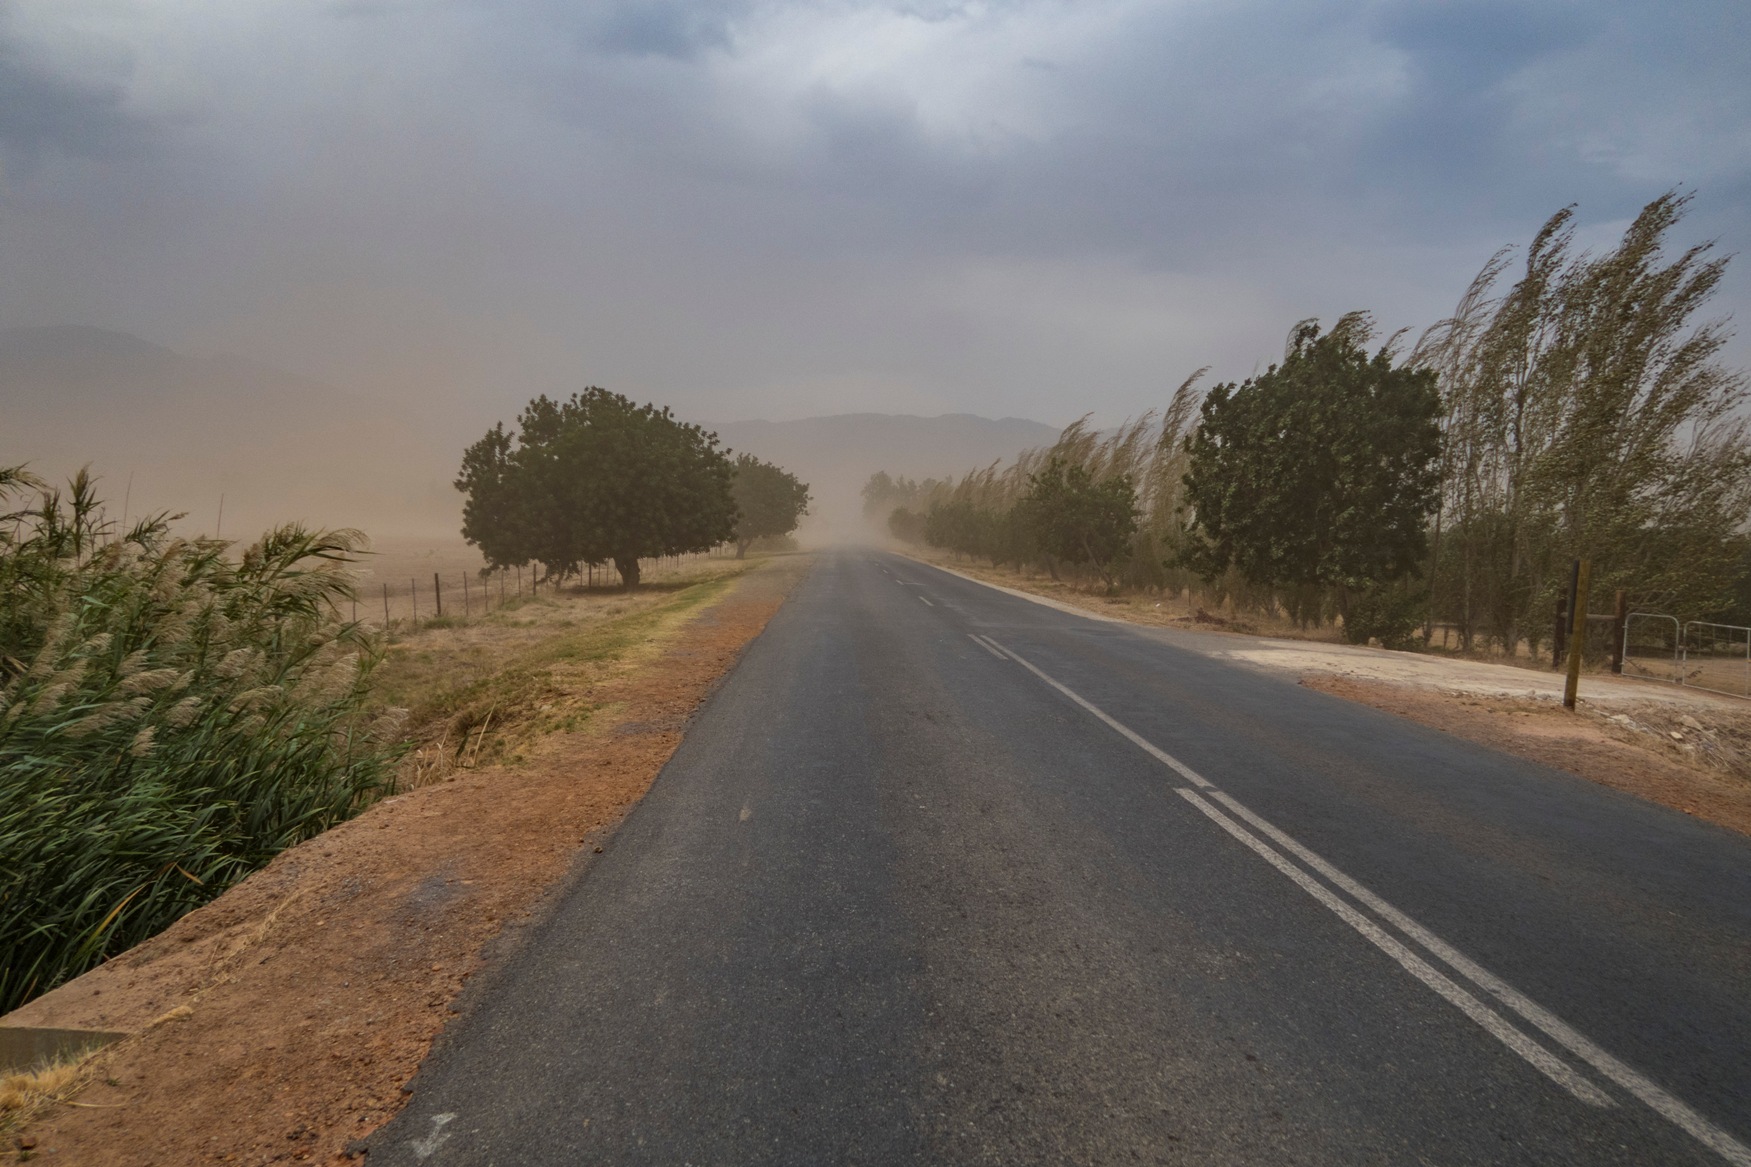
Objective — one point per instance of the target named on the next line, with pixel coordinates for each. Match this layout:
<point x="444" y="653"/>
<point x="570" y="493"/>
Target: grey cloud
<point x="42" y="111"/>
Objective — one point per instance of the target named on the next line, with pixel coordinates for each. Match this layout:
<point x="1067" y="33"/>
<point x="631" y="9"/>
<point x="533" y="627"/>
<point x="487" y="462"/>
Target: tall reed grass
<point x="171" y="717"/>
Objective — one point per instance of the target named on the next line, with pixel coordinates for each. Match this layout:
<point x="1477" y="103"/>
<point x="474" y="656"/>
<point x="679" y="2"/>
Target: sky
<point x="754" y="209"/>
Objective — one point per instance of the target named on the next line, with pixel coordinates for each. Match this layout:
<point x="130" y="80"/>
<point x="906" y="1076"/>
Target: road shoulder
<point x="282" y="1020"/>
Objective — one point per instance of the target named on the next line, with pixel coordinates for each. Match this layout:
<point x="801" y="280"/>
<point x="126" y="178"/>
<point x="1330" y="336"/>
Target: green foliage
<point x="1390" y="613"/>
<point x="1078" y="520"/>
<point x="906" y="525"/>
<point x="592" y="479"/>
<point x="170" y="719"/>
<point x="769" y="501"/>
<point x="1319" y="474"/>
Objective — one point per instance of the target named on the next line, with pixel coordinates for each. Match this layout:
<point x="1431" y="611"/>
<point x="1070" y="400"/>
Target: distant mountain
<point x="836" y="455"/>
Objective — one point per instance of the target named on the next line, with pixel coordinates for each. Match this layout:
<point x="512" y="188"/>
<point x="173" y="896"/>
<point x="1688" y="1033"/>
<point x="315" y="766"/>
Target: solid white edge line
<point x="1540" y="1058"/>
<point x="1653" y="1096"/>
<point x="974" y="637"/>
<point x="1142" y="743"/>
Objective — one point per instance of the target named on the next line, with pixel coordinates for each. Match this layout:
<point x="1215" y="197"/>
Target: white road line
<point x="982" y="644"/>
<point x="1662" y="1103"/>
<point x="927" y="603"/>
<point x="993" y="646"/>
<point x="1491" y="1021"/>
<point x="1148" y="747"/>
<point x="1653" y="1096"/>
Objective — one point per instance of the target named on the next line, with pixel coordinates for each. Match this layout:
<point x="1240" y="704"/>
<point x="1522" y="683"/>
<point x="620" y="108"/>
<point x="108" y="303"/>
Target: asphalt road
<point x="1072" y="893"/>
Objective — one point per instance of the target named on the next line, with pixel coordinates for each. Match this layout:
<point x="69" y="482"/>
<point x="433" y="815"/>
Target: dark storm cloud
<point x="43" y="111"/>
<point x="771" y="207"/>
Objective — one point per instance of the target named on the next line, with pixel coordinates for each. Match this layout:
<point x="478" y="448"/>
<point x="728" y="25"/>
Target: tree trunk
<point x="742" y="548"/>
<point x="627" y="566"/>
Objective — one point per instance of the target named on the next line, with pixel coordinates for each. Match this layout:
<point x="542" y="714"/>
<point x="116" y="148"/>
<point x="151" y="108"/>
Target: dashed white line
<point x="1653" y="1096"/>
<point x="927" y="603"/>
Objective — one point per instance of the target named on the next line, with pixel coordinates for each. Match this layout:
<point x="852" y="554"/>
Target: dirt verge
<point x="280" y="1022"/>
<point x="1613" y="749"/>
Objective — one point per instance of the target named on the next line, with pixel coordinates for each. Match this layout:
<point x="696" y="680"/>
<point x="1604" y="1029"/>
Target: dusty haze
<point x="169" y="432"/>
<point x="403" y="219"/>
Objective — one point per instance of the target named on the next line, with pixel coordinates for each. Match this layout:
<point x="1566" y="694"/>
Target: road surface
<point x="941" y="875"/>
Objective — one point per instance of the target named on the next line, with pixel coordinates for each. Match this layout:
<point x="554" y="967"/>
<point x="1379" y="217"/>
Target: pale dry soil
<point x="1681" y="747"/>
<point x="280" y="1022"/>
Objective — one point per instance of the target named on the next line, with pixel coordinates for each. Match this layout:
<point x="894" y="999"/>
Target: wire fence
<point x="456" y="594"/>
<point x="1698" y="654"/>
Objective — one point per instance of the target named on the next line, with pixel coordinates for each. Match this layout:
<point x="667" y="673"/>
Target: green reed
<point x="172" y="716"/>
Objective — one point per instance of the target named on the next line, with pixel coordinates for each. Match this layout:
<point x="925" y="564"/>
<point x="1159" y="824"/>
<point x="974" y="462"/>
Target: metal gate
<point x="1697" y="654"/>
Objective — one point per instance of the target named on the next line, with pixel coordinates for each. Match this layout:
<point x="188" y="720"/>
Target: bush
<point x="1390" y="614"/>
<point x="170" y="719"/>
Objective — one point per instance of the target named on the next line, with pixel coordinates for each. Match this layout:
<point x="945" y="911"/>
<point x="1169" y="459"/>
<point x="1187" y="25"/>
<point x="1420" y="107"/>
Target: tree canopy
<point x="1075" y="519"/>
<point x="1319" y="474"/>
<point x="595" y="479"/>
<point x="769" y="501"/>
<point x="1588" y="415"/>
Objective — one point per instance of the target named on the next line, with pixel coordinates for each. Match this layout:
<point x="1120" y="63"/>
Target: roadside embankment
<point x="280" y="1022"/>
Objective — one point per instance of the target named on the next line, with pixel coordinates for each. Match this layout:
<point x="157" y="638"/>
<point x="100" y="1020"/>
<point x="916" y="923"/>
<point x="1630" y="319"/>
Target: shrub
<point x="170" y="719"/>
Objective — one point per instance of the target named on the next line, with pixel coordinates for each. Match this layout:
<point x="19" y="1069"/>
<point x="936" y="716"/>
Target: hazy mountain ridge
<point x="187" y="429"/>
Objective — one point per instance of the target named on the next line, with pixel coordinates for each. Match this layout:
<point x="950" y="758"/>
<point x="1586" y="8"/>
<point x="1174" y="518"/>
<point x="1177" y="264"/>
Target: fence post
<point x="1619" y="630"/>
<point x="1577" y="632"/>
<point x="438" y="593"/>
<point x="413" y="598"/>
<point x="467" y="610"/>
<point x="385" y="605"/>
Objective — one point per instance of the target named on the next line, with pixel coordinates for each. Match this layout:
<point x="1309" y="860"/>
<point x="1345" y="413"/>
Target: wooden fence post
<point x="385" y="605"/>
<point x="1577" y="633"/>
<point x="413" y="598"/>
<point x="438" y="593"/>
<point x="467" y="610"/>
<point x="1619" y="627"/>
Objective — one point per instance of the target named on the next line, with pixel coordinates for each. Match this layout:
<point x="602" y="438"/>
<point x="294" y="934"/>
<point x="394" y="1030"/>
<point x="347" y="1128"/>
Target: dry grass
<point x="25" y="1095"/>
<point x="478" y="691"/>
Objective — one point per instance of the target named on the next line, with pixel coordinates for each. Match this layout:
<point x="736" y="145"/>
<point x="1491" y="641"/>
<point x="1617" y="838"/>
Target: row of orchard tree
<point x="597" y="479"/>
<point x="1581" y="410"/>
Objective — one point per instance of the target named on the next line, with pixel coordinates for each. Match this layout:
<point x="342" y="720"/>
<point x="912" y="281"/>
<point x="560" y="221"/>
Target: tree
<point x="595" y="479"/>
<point x="1320" y="475"/>
<point x="1588" y="415"/>
<point x="769" y="501"/>
<point x="1075" y="519"/>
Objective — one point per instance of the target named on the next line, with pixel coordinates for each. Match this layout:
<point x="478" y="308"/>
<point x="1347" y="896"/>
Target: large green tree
<point x="1075" y="519"/>
<point x="595" y="479"/>
<point x="1319" y="476"/>
<point x="769" y="501"/>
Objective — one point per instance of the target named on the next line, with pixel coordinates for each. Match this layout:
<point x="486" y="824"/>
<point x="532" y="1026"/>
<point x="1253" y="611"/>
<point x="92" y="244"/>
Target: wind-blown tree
<point x="1076" y="519"/>
<point x="1587" y="416"/>
<point x="595" y="479"/>
<point x="769" y="501"/>
<point x="1319" y="476"/>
